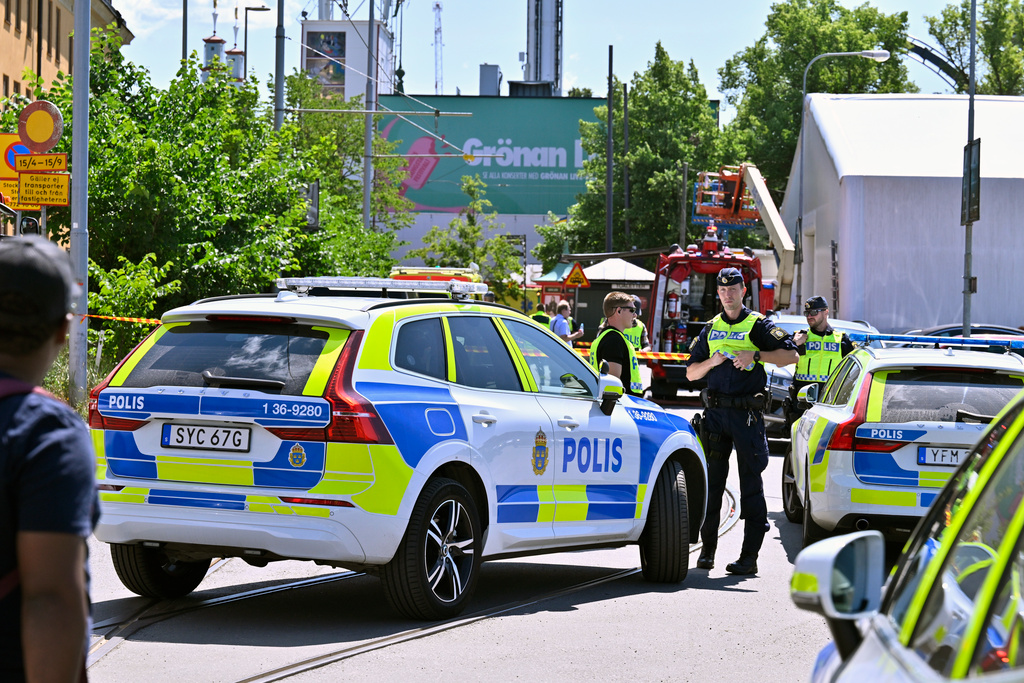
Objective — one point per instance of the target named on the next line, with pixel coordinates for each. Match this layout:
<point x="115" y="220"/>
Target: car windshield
<point x="940" y="395"/>
<point x="280" y="353"/>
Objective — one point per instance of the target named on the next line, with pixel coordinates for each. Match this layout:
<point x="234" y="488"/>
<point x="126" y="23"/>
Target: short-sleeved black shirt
<point x="613" y="349"/>
<point x="47" y="483"/>
<point x="727" y="379"/>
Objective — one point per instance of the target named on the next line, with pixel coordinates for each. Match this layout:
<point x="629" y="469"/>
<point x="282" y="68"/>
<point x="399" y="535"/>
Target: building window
<point x="17" y="88"/>
<point x="71" y="54"/>
<point x="7" y="86"/>
<point x="7" y="12"/>
<point x="17" y="16"/>
<point x="28" y="21"/>
<point x="57" y="33"/>
<point x="49" y="30"/>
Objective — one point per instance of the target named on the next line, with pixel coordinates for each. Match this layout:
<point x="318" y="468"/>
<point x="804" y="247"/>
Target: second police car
<point x="414" y="437"/>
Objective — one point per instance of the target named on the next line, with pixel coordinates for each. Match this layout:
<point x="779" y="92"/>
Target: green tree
<point x="580" y="92"/>
<point x="670" y="123"/>
<point x="1000" y="47"/>
<point x="465" y="241"/>
<point x="764" y="81"/>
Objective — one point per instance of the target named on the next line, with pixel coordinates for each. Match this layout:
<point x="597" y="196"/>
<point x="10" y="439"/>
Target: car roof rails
<point x="370" y="286"/>
<point x="937" y="342"/>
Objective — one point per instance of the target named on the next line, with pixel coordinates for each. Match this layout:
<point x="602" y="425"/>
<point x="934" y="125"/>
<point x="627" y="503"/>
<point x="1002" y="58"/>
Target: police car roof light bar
<point x="936" y="341"/>
<point x="458" y="289"/>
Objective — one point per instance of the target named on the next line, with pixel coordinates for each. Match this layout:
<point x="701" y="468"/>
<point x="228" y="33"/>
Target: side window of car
<point x="420" y="348"/>
<point x="835" y="381"/>
<point x="849" y="384"/>
<point x="555" y="369"/>
<point x="481" y="359"/>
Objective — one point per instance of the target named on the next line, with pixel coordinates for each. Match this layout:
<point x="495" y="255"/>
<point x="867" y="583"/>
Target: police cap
<point x="815" y="304"/>
<point x="729" y="276"/>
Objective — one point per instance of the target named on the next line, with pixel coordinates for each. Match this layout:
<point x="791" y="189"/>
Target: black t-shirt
<point x="47" y="483"/>
<point x="726" y="378"/>
<point x="613" y="349"/>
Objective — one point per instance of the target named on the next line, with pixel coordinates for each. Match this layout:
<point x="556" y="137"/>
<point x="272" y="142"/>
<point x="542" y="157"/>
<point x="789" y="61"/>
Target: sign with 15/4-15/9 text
<point x="46" y="189"/>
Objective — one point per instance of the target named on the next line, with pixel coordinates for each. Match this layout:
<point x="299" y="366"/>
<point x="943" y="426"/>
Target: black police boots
<point x="747" y="564"/>
<point x="706" y="559"/>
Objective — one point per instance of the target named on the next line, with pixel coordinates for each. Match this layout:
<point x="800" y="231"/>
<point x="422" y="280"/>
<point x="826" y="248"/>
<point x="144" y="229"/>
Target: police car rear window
<point x="275" y="353"/>
<point x="945" y="395"/>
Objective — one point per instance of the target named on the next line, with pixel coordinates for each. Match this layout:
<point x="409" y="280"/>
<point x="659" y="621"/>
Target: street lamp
<point x="245" y="44"/>
<point x="878" y="56"/>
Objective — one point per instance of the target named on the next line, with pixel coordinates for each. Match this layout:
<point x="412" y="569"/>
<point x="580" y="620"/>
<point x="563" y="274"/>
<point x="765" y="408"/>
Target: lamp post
<point x="878" y="56"/>
<point x="245" y="40"/>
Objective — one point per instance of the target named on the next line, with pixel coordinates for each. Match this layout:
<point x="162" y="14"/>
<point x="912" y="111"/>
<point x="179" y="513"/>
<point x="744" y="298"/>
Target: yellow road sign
<point x="10" y="145"/>
<point x="9" y="188"/>
<point x="49" y="189"/>
<point x="40" y="163"/>
<point x="40" y="126"/>
<point x="576" y="278"/>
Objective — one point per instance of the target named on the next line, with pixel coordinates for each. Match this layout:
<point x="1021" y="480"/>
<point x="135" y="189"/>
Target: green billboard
<point x="527" y="150"/>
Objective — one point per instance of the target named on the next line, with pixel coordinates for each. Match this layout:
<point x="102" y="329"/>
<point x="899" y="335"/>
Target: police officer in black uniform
<point x="730" y="351"/>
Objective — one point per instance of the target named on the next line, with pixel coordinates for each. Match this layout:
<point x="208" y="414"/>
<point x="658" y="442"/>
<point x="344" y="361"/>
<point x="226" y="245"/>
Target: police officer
<point x="541" y="317"/>
<point x="821" y="348"/>
<point x="636" y="334"/>
<point x="611" y="343"/>
<point x="730" y="351"/>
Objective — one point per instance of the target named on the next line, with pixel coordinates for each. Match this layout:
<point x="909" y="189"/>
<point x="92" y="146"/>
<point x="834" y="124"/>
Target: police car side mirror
<point x="841" y="579"/>
<point x="807" y="395"/>
<point x="609" y="389"/>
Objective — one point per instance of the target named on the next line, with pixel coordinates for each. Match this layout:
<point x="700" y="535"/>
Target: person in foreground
<point x="730" y="352"/>
<point x="48" y="502"/>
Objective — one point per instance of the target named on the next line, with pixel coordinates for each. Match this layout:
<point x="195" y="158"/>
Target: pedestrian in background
<point x="562" y="325"/>
<point x="730" y="352"/>
<point x="48" y="503"/>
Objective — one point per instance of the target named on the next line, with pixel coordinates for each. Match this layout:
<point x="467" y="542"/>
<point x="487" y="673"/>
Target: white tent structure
<point x="616" y="269"/>
<point x="883" y="183"/>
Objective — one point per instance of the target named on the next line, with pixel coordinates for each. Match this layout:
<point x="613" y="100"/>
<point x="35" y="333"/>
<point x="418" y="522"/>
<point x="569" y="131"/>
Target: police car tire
<point x="664" y="544"/>
<point x="407" y="578"/>
<point x="790" y="500"/>
<point x="150" y="573"/>
<point x="812" y="532"/>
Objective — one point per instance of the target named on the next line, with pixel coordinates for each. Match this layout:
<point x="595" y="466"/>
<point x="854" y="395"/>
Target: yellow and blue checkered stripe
<point x="569" y="503"/>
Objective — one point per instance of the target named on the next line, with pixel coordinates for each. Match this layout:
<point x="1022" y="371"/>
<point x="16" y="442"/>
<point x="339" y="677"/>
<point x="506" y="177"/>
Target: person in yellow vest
<point x="636" y="334"/>
<point x="611" y="344"/>
<point x="821" y="348"/>
<point x="730" y="352"/>
<point x="541" y="316"/>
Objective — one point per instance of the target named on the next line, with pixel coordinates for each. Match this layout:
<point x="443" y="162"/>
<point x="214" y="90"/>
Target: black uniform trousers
<point x="743" y="429"/>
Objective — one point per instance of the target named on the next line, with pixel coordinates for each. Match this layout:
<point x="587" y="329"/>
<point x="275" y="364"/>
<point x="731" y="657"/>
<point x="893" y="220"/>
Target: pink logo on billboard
<point x="419" y="168"/>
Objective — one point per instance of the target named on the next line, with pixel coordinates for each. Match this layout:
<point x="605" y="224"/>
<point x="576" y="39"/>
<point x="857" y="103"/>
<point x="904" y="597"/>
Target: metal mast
<point x="438" y="71"/>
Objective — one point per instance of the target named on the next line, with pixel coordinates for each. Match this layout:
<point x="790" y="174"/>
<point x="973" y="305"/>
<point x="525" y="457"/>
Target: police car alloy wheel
<point x="436" y="566"/>
<point x="790" y="498"/>
<point x="149" y="572"/>
<point x="664" y="552"/>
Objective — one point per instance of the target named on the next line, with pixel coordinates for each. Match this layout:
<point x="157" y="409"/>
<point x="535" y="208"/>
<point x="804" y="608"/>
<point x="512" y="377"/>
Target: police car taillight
<point x="353" y="419"/>
<point x="115" y="424"/>
<point x="844" y="438"/>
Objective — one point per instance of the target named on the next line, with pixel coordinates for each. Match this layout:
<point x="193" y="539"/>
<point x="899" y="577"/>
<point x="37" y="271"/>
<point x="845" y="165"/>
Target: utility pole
<point x="78" y="344"/>
<point x="625" y="155"/>
<point x="371" y="42"/>
<point x="438" y="69"/>
<point x="970" y="202"/>
<point x="608" y="166"/>
<point x="279" y="68"/>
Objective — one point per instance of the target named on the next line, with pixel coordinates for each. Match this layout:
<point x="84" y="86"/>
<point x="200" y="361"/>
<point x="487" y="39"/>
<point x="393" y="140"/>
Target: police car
<point x="953" y="607"/>
<point x="888" y="432"/>
<point x="414" y="437"/>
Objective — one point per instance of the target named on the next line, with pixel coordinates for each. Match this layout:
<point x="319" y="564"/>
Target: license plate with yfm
<point x="945" y="457"/>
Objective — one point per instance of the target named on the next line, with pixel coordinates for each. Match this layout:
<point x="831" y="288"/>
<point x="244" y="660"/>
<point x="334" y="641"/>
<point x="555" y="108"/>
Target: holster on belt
<point x="758" y="401"/>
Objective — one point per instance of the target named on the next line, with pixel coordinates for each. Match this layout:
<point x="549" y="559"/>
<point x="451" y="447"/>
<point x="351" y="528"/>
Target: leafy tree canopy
<point x="764" y="81"/>
<point x="1000" y="44"/>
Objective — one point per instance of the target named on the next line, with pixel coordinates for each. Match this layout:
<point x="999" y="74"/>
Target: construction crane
<point x="438" y="71"/>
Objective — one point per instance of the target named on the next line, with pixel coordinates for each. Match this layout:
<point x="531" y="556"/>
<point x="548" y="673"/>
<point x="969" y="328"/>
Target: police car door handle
<point x="568" y="423"/>
<point x="484" y="419"/>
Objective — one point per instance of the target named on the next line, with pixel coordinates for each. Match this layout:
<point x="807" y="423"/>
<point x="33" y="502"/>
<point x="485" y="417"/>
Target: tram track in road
<point x="116" y="631"/>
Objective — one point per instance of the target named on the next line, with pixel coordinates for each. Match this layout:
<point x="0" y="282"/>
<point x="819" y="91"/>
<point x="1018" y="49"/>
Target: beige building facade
<point x="36" y="34"/>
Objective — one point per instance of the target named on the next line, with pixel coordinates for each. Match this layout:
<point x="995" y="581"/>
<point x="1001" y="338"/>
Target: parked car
<point x="780" y="379"/>
<point x="888" y="432"/>
<point x="414" y="438"/>
<point x="953" y="607"/>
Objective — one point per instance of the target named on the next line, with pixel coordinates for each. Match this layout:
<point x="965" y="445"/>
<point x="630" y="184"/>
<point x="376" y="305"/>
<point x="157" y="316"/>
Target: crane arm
<point x="777" y="231"/>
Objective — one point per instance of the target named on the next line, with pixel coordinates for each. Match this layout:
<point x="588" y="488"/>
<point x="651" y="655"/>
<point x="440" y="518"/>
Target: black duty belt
<point x="713" y="400"/>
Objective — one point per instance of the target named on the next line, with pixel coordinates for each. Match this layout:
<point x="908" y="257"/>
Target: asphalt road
<point x="530" y="620"/>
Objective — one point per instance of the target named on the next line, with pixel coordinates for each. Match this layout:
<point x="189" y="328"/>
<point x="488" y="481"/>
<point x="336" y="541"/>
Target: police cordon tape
<point x="146" y="321"/>
<point x="646" y="355"/>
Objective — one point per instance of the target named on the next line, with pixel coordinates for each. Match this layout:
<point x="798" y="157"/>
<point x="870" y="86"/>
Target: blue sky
<point x="494" y="31"/>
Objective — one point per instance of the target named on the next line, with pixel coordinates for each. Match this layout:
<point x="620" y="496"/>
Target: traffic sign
<point x="40" y="126"/>
<point x="9" y="188"/>
<point x="576" y="278"/>
<point x="40" y="163"/>
<point x="46" y="189"/>
<point x="10" y="146"/>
